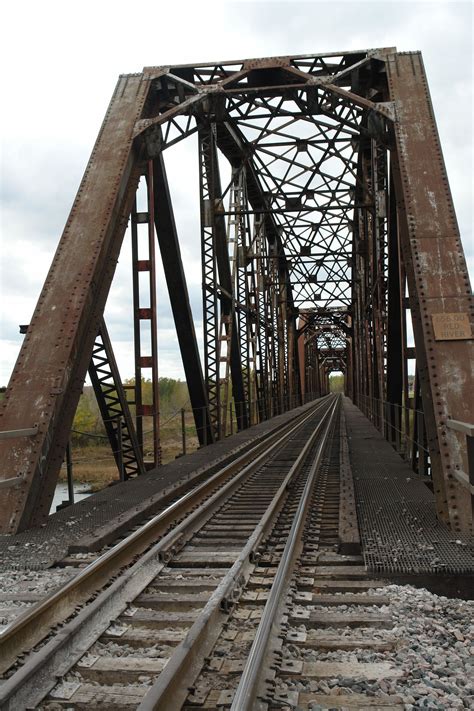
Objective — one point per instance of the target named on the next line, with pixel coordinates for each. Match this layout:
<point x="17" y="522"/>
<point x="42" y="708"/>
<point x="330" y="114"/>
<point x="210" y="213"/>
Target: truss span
<point x="335" y="231"/>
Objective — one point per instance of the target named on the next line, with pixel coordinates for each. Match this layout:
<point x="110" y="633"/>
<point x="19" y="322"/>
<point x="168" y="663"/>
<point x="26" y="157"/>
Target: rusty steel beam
<point x="113" y="405"/>
<point x="332" y="244"/>
<point x="216" y="228"/>
<point x="441" y="299"/>
<point x="48" y="377"/>
<point x="394" y="382"/>
<point x="179" y="298"/>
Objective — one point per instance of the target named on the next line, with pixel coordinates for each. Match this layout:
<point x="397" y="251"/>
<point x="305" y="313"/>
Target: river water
<point x="81" y="491"/>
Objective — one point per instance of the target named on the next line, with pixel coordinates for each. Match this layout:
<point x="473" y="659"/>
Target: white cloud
<point x="61" y="63"/>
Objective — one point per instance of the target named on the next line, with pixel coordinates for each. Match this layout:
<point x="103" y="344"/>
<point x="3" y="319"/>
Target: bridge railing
<point x="403" y="426"/>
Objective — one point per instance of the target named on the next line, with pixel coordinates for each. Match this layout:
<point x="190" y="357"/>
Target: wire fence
<point x="256" y="411"/>
<point x="197" y="427"/>
<point x="403" y="426"/>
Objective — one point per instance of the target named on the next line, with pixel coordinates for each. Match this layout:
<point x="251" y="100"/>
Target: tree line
<point x="173" y="395"/>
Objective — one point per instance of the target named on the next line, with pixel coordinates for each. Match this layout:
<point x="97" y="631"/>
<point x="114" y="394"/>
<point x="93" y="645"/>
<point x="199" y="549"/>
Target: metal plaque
<point x="452" y="327"/>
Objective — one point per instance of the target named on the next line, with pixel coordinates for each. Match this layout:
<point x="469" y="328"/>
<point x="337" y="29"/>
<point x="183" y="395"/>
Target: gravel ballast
<point x="434" y="650"/>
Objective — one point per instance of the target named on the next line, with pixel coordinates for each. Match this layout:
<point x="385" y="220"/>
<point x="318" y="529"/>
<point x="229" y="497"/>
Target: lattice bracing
<point x="337" y="206"/>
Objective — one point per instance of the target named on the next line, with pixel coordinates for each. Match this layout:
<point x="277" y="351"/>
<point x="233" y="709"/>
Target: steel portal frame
<point x="338" y="204"/>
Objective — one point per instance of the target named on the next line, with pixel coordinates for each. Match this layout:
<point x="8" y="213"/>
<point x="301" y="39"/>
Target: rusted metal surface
<point x="48" y="377"/>
<point x="438" y="281"/>
<point x="338" y="199"/>
<point x="113" y="406"/>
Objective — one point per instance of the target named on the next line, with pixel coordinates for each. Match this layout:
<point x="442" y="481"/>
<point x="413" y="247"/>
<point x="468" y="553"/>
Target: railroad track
<point x="302" y="602"/>
<point x="170" y="584"/>
<point x="100" y="567"/>
<point x="244" y="603"/>
<point x="318" y="608"/>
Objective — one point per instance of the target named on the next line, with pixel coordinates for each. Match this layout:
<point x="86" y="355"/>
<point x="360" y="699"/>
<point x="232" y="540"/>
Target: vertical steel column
<point x="394" y="325"/>
<point x="209" y="277"/>
<point x="153" y="315"/>
<point x="252" y="311"/>
<point x="349" y="374"/>
<point x="405" y="434"/>
<point x="179" y="298"/>
<point x="226" y="321"/>
<point x="261" y="367"/>
<point x="439" y="288"/>
<point x="274" y="341"/>
<point x="270" y="330"/>
<point x="281" y="318"/>
<point x="241" y="287"/>
<point x="379" y="190"/>
<point x="291" y="364"/>
<point x="216" y="220"/>
<point x="300" y="346"/>
<point x="362" y="279"/>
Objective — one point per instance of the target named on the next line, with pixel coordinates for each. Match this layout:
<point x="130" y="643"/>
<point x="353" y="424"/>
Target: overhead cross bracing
<point x="307" y="170"/>
<point x="337" y="225"/>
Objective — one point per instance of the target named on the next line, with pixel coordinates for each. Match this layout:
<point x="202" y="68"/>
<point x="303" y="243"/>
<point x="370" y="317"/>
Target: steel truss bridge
<point x="336" y="225"/>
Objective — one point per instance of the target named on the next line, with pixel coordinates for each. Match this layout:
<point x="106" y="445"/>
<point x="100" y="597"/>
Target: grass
<point x="92" y="465"/>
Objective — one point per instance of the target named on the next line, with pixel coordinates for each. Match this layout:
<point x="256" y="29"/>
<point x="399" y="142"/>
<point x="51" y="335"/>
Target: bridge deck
<point x="400" y="533"/>
<point x="99" y="517"/>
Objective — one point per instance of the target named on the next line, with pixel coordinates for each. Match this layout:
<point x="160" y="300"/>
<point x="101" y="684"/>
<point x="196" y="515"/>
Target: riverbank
<point x="94" y="465"/>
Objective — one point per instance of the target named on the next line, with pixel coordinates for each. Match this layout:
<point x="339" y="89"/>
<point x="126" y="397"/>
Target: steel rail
<point x="171" y="687"/>
<point x="35" y="623"/>
<point x="245" y="696"/>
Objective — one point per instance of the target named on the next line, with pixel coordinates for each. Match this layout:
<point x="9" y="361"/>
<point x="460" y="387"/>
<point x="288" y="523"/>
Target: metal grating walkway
<point x="399" y="530"/>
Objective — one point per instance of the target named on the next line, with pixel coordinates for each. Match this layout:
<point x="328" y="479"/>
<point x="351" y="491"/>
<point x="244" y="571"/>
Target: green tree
<point x="173" y="393"/>
<point x="87" y="420"/>
<point x="336" y="383"/>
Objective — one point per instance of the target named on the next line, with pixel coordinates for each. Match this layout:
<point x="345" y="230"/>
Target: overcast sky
<point x="60" y="63"/>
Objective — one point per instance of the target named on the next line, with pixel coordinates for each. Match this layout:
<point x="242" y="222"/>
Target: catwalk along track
<point x="204" y="605"/>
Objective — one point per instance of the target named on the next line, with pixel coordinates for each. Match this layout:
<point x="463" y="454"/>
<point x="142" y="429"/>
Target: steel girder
<point x="330" y="208"/>
<point x="217" y="282"/>
<point x="438" y="283"/>
<point x="179" y="298"/>
<point x="48" y="377"/>
<point x="113" y="406"/>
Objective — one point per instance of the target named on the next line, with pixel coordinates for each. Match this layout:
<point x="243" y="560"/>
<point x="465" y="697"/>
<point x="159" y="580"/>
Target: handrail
<point x="463" y="427"/>
<point x="25" y="432"/>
